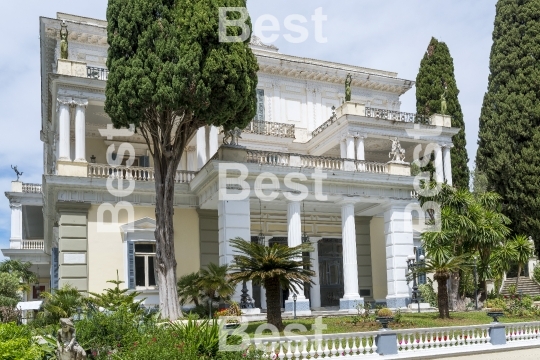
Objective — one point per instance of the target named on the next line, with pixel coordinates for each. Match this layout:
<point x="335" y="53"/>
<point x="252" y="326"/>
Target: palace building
<point x="359" y="210"/>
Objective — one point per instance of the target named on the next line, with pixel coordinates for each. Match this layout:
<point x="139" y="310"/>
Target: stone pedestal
<point x="386" y="343"/>
<point x="232" y="153"/>
<point x="399" y="168"/>
<point x="497" y="334"/>
<point x="441" y="120"/>
<point x="351" y="108"/>
<point x="69" y="168"/>
<point x="71" y="68"/>
<point x="302" y="307"/>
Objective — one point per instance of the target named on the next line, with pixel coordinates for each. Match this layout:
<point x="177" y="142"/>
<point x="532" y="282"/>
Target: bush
<point x="62" y="304"/>
<point x="9" y="290"/>
<point x="536" y="273"/>
<point x="16" y="343"/>
<point x="428" y="294"/>
<point x="385" y="312"/>
<point x="495" y="303"/>
<point x="9" y="314"/>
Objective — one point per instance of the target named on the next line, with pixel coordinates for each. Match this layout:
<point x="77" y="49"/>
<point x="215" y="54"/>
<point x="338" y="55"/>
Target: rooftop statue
<point x="63" y="40"/>
<point x="348" y="82"/>
<point x="444" y="105"/>
<point x="232" y="136"/>
<point x="19" y="173"/>
<point x="397" y="154"/>
<point x="67" y="346"/>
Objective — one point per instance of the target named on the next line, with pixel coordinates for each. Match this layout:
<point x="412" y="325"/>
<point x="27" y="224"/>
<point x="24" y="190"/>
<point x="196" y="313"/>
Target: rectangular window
<point x="145" y="276"/>
<point x="259" y="116"/>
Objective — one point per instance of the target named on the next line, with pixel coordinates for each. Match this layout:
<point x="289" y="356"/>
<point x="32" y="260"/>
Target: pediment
<point x="144" y="224"/>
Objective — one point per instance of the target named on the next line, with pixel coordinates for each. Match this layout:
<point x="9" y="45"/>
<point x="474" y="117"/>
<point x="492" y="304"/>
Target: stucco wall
<point x="106" y="252"/>
<point x="378" y="258"/>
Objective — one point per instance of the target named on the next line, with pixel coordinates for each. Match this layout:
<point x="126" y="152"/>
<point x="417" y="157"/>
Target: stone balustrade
<point x="32" y="244"/>
<point x="31" y="188"/>
<point x="314" y="162"/>
<point x="134" y="173"/>
<point x="408" y="343"/>
<point x="271" y="129"/>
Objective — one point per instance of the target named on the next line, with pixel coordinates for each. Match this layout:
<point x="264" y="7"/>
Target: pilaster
<point x="398" y="231"/>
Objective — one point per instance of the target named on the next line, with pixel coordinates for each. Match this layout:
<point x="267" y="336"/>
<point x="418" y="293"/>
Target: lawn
<point x="344" y="324"/>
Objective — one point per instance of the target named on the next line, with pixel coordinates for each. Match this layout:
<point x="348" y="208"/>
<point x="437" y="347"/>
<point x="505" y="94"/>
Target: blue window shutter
<point x="54" y="270"/>
<point x="260" y="105"/>
<point x="131" y="264"/>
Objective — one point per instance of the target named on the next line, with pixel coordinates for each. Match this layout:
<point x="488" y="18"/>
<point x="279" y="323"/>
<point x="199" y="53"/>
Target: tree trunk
<point x="517" y="279"/>
<point x="442" y="295"/>
<point x="273" y="303"/>
<point x="454" y="292"/>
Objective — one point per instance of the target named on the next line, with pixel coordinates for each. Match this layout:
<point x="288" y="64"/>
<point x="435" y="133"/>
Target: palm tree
<point x="272" y="267"/>
<point x="502" y="257"/>
<point x="215" y="282"/>
<point x="63" y="303"/>
<point x="189" y="289"/>
<point x="524" y="250"/>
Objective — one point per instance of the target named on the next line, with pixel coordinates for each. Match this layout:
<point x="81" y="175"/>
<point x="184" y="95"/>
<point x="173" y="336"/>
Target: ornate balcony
<point x="315" y="162"/>
<point x="97" y="73"/>
<point x="396" y="116"/>
<point x="134" y="173"/>
<point x="32" y="244"/>
<point x="270" y="129"/>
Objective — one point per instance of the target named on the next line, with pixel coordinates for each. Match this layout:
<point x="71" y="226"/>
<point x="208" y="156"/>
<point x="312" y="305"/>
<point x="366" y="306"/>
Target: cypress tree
<point x="437" y="72"/>
<point x="509" y="136"/>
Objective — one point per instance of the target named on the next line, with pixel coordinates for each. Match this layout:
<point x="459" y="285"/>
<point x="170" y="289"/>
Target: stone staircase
<point x="526" y="286"/>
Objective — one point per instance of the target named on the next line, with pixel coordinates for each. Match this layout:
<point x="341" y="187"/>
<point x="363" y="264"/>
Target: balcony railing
<point x="326" y="124"/>
<point x="270" y="129"/>
<point x="31" y="188"/>
<point x="97" y="73"/>
<point x="313" y="162"/>
<point x="134" y="173"/>
<point x="32" y="245"/>
<point x="396" y="116"/>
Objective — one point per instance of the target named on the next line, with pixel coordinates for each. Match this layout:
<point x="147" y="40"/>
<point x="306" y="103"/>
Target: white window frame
<point x="147" y="270"/>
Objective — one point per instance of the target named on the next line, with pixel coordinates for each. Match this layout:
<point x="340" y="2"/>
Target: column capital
<point x="447" y="146"/>
<point x="15" y="206"/>
<point x="399" y="205"/>
<point x="360" y="135"/>
<point x="80" y="102"/>
<point x="62" y="100"/>
<point x="348" y="200"/>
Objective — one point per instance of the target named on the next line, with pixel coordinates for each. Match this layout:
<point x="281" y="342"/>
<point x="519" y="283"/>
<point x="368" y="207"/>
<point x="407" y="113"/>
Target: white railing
<point x="372" y="167"/>
<point x="436" y="338"/>
<point x="33" y="244"/>
<point x="134" y="173"/>
<point x="268" y="158"/>
<point x="522" y="331"/>
<point x="325" y="347"/>
<point x="321" y="162"/>
<point x="270" y="129"/>
<point x="31" y="188"/>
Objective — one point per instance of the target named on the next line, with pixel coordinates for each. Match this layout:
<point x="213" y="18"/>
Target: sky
<point x="390" y="35"/>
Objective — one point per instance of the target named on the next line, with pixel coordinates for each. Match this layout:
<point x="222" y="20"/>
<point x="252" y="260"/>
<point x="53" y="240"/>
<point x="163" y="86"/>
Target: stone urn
<point x="495" y="314"/>
<point x="385" y="316"/>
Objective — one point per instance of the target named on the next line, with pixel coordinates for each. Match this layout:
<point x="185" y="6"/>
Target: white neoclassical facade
<point x="356" y="208"/>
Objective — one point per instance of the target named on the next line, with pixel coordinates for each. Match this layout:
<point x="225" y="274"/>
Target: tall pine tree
<point x="509" y="137"/>
<point x="436" y="72"/>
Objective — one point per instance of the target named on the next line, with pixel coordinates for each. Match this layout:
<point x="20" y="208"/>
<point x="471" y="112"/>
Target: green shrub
<point x="495" y="303"/>
<point x="9" y="290"/>
<point x="385" y="312"/>
<point x="63" y="303"/>
<point x="16" y="343"/>
<point x="428" y="294"/>
<point x="536" y="273"/>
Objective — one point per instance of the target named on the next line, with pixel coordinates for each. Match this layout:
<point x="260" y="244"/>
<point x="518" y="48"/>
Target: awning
<point x="29" y="305"/>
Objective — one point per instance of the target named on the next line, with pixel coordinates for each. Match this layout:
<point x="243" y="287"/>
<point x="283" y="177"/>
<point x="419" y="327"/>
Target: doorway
<point x="331" y="271"/>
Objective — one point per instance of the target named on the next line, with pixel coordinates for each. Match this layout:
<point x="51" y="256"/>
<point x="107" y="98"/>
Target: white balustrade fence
<point x="134" y="173"/>
<point x="320" y="162"/>
<point x="522" y="331"/>
<point x="268" y="158"/>
<point x="31" y="188"/>
<point x="33" y="244"/>
<point x="313" y="347"/>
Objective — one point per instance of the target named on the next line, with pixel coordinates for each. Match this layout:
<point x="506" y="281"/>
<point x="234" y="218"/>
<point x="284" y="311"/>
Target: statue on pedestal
<point x="397" y="154"/>
<point x="67" y="346"/>
<point x="348" y="82"/>
<point x="17" y="172"/>
<point x="444" y="105"/>
<point x="63" y="40"/>
<point x="231" y="136"/>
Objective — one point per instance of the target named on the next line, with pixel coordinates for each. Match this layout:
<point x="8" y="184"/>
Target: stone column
<point x="349" y="140"/>
<point x="201" y="147"/>
<point x="191" y="158"/>
<point x="233" y="221"/>
<point x="80" y="130"/>
<point x="315" y="289"/>
<point x="398" y="232"/>
<point x="64" y="129"/>
<point x="294" y="238"/>
<point x="351" y="298"/>
<point x="15" y="240"/>
<point x="360" y="152"/>
<point x="213" y="142"/>
<point x="343" y="148"/>
<point x="439" y="171"/>
<point x="447" y="158"/>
